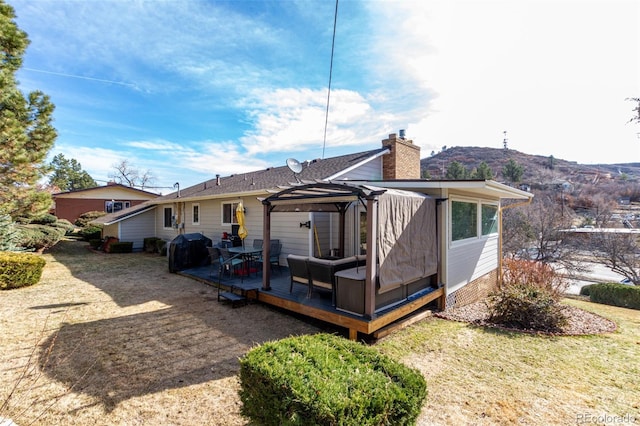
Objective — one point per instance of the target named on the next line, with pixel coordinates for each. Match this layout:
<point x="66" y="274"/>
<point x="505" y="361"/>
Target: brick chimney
<point x="403" y="162"/>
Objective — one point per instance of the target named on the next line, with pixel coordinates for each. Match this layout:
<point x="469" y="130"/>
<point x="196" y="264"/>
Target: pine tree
<point x="26" y="132"/>
<point x="482" y="172"/>
<point x="9" y="234"/>
<point x="512" y="171"/>
<point x="456" y="171"/>
<point x="68" y="175"/>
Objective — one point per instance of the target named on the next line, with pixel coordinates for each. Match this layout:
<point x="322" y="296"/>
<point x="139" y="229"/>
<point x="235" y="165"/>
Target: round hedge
<point x="20" y="269"/>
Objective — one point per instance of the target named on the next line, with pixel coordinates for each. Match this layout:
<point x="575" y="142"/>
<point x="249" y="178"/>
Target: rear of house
<point x="468" y="214"/>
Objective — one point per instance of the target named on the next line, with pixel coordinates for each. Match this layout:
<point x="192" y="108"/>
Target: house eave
<point x="124" y="217"/>
<point x="488" y="188"/>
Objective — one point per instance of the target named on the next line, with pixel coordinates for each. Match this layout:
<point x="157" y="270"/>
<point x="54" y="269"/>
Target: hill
<point x="537" y="169"/>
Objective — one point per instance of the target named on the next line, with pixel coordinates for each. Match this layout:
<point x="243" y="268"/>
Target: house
<point x="328" y="207"/>
<point x="110" y="198"/>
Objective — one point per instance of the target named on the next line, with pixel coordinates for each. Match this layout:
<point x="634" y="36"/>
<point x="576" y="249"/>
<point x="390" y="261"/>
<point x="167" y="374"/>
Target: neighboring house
<point x="467" y="214"/>
<point x="109" y="199"/>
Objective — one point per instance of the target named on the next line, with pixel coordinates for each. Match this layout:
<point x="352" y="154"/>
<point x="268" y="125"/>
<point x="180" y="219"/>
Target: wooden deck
<point x="319" y="305"/>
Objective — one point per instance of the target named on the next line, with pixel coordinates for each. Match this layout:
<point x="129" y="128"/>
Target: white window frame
<point x="110" y="205"/>
<point x="164" y="217"/>
<point x="497" y="218"/>
<point x="195" y="206"/>
<point x="479" y="234"/>
<point x="234" y="205"/>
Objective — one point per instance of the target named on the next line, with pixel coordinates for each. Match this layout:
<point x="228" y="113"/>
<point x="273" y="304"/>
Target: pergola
<point x="338" y="197"/>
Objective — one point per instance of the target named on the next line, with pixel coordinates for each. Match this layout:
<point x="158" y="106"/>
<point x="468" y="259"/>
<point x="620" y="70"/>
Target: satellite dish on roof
<point x="294" y="165"/>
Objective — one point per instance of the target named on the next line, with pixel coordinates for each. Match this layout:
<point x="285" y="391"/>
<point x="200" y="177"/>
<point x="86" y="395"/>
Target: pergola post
<point x="266" y="247"/>
<point x="371" y="276"/>
<point x="341" y="245"/>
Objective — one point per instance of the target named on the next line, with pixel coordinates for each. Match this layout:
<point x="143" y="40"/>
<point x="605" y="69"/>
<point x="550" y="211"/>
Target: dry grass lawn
<point x="117" y="339"/>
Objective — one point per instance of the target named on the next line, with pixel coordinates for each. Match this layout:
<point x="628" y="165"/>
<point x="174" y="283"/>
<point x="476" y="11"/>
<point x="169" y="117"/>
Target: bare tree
<point x="538" y="232"/>
<point x="619" y="251"/>
<point x="636" y="116"/>
<point x="127" y="174"/>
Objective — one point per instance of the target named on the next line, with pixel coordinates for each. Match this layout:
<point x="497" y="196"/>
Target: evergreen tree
<point x="482" y="172"/>
<point x="552" y="162"/>
<point x="26" y="133"/>
<point x="456" y="171"/>
<point x="68" y="175"/>
<point x="9" y="234"/>
<point x="512" y="171"/>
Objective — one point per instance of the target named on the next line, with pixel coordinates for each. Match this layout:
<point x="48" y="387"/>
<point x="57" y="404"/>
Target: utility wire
<point x="333" y="43"/>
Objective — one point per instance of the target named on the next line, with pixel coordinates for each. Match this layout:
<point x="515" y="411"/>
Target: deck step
<point x="232" y="297"/>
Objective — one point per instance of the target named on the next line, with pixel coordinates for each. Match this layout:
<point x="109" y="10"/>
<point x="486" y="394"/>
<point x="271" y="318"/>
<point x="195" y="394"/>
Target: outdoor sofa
<point x="319" y="273"/>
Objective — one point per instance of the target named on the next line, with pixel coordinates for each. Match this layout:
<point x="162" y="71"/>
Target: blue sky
<point x="191" y="89"/>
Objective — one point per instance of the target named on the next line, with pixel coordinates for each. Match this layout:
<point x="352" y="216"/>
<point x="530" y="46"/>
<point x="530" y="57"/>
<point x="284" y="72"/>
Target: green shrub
<point x="66" y="225"/>
<point x="586" y="290"/>
<point x="91" y="233"/>
<point x="327" y="380"/>
<point x="83" y="220"/>
<point x="526" y="307"/>
<point x="38" y="237"/>
<point x="44" y="219"/>
<point x="623" y="295"/>
<point x="151" y="244"/>
<point x="95" y="244"/>
<point x="19" y="269"/>
<point x="121" y="247"/>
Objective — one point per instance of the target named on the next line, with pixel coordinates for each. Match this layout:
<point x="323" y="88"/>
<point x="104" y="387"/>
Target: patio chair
<point x="214" y="255"/>
<point x="274" y="255"/>
<point x="257" y="244"/>
<point x="274" y="252"/>
<point x="228" y="261"/>
<point x="299" y="272"/>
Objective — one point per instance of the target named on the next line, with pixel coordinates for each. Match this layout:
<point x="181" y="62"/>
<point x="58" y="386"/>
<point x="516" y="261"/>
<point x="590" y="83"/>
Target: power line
<point x="333" y="43"/>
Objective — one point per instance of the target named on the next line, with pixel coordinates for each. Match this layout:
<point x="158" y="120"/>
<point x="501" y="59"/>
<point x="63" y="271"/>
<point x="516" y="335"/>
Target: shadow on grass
<point x="188" y="339"/>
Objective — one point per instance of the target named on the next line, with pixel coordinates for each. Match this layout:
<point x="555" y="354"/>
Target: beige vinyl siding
<point x="295" y="240"/>
<point x="112" y="230"/>
<point x="137" y="228"/>
<point x="166" y="234"/>
<point x="328" y="227"/>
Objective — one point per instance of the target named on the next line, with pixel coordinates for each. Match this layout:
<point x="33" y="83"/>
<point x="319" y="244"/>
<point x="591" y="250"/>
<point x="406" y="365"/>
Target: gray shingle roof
<point x="259" y="180"/>
<point x="272" y="177"/>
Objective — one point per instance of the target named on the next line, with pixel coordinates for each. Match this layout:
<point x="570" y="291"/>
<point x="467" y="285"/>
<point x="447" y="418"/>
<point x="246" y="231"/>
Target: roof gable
<point x="108" y="192"/>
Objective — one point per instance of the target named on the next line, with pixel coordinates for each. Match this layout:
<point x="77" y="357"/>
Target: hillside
<point x="537" y="169"/>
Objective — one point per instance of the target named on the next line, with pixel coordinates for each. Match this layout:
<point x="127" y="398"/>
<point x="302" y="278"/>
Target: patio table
<point x="247" y="254"/>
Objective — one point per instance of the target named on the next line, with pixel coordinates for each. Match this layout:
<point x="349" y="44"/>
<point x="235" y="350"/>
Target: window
<point x="115" y="206"/>
<point x="464" y="220"/>
<point x="489" y="219"/>
<point x="168" y="217"/>
<point x="229" y="213"/>
<point x="195" y="210"/>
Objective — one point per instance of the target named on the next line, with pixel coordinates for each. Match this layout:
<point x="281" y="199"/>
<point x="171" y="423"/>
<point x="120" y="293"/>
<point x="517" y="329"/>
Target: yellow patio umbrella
<point x="242" y="231"/>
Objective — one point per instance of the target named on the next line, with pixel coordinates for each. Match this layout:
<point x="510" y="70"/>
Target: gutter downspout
<point x="523" y="203"/>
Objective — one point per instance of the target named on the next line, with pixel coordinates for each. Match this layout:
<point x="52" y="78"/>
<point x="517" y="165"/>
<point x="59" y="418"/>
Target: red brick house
<point x="110" y="198"/>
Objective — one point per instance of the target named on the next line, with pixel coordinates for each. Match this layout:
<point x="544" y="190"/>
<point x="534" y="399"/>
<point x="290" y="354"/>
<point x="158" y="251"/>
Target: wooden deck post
<point x="266" y="248"/>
